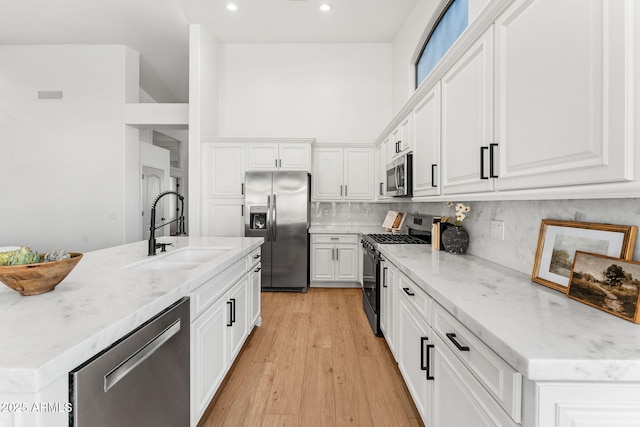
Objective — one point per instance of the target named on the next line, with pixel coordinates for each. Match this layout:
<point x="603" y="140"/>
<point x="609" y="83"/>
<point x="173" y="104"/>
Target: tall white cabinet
<point x="224" y="164"/>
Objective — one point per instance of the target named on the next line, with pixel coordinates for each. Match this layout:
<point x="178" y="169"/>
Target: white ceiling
<point x="159" y="29"/>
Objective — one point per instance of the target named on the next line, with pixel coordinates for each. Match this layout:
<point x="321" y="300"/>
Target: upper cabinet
<point x="271" y="156"/>
<point x="467" y="120"/>
<point x="223" y="170"/>
<point x="400" y="141"/>
<point x="521" y="103"/>
<point x="563" y="97"/>
<point x="426" y="144"/>
<point x="343" y="173"/>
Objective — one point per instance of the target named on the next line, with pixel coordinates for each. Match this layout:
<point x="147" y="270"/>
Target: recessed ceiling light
<point x="325" y="7"/>
<point x="232" y="7"/>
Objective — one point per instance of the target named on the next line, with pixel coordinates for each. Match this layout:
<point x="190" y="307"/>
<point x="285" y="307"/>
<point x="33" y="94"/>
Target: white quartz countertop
<point x="345" y="229"/>
<point x="539" y="331"/>
<point x="100" y="301"/>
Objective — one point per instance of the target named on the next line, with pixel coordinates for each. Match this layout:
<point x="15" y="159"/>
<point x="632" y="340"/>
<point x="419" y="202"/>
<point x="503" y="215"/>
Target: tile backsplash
<point x="521" y="221"/>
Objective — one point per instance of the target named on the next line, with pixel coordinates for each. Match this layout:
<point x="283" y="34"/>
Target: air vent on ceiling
<point x="49" y="94"/>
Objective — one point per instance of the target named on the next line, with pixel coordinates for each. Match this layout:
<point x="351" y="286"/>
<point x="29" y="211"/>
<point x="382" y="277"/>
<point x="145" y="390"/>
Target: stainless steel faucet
<point x="152" y="228"/>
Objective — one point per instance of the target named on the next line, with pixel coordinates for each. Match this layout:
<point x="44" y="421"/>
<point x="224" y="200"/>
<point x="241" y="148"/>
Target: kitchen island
<point x="109" y="294"/>
<point x="566" y="363"/>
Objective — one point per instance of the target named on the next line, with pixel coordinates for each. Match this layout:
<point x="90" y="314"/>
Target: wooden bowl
<point x="34" y="279"/>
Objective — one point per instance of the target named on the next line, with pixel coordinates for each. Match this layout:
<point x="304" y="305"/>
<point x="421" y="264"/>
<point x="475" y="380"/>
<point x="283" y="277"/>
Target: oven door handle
<point x="384" y="277"/>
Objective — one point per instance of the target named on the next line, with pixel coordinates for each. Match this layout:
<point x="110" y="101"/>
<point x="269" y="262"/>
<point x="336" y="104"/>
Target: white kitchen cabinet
<point x="401" y="139"/>
<point x="388" y="304"/>
<point x="380" y="165"/>
<point x="221" y="322"/>
<point x="335" y="258"/>
<point x="562" y="97"/>
<point x="343" y="173"/>
<point x="426" y="144"/>
<point x="272" y="156"/>
<point x="467" y="121"/>
<point x="223" y="170"/>
<point x="414" y="344"/>
<point x="225" y="218"/>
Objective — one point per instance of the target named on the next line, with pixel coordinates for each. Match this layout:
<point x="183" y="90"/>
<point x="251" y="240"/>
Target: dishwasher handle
<point x="130" y="363"/>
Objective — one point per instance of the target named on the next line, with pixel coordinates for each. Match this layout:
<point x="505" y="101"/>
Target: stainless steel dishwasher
<point x="141" y="380"/>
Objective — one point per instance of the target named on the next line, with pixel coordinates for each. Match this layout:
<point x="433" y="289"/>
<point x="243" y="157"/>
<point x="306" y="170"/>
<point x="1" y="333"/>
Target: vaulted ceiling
<point x="159" y="29"/>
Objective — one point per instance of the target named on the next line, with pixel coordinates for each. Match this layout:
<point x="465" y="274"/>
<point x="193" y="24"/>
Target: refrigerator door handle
<point x="268" y="218"/>
<point x="275" y="219"/>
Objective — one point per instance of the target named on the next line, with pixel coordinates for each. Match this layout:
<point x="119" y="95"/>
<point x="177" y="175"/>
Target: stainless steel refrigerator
<point x="277" y="208"/>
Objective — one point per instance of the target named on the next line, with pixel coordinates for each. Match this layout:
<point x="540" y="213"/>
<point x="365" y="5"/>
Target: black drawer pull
<point x="429" y="376"/>
<point x="230" y="304"/>
<point x="256" y="256"/>
<point x="452" y="338"/>
<point x="257" y="269"/>
<point x="408" y="292"/>
<point x="423" y="367"/>
<point x="482" y="175"/>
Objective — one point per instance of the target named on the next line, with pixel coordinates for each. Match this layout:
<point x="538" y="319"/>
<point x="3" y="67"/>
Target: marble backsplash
<point x="521" y="221"/>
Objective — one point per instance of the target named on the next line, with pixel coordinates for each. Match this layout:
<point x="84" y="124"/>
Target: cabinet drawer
<point x="334" y="238"/>
<point x="215" y="287"/>
<point x="416" y="297"/>
<point x="254" y="257"/>
<point x="501" y="380"/>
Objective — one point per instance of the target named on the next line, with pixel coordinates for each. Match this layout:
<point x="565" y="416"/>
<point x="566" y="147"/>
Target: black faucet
<point x="152" y="228"/>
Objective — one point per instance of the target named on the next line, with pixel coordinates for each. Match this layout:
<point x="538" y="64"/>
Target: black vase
<point x="455" y="239"/>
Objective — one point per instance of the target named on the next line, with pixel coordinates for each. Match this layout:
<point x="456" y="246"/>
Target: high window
<point x="451" y="23"/>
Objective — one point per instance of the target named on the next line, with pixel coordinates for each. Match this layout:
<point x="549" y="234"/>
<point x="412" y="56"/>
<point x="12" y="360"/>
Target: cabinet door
<point x="322" y="262"/>
<point x="358" y="174"/>
<point x="413" y="337"/>
<point x="209" y="357"/>
<point x="467" y="120"/>
<point x="426" y="144"/>
<point x="262" y="157"/>
<point x="381" y="171"/>
<point x="561" y="95"/>
<point x="255" y="288"/>
<point x="294" y="157"/>
<point x="458" y="398"/>
<point x="327" y="174"/>
<point x="406" y="135"/>
<point x="388" y="305"/>
<point x="224" y="218"/>
<point x="225" y="168"/>
<point x="239" y="312"/>
<point x="346" y="263"/>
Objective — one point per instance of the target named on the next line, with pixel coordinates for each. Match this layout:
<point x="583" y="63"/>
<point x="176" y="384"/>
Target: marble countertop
<point x="539" y="331"/>
<point x="101" y="300"/>
<point x="345" y="229"/>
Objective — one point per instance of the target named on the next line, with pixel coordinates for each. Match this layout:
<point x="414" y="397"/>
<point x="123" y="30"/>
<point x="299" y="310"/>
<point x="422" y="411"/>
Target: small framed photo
<point x="559" y="240"/>
<point x="608" y="283"/>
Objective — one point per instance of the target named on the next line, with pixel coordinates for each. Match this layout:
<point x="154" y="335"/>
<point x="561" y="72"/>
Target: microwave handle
<point x="398" y="187"/>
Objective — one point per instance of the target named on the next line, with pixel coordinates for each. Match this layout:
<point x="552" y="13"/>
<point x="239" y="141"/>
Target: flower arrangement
<point x="461" y="213"/>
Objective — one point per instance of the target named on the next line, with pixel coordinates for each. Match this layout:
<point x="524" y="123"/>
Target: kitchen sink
<point x="180" y="259"/>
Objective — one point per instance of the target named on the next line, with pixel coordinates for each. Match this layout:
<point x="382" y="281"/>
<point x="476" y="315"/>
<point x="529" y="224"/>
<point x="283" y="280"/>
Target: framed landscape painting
<point x="559" y="240"/>
<point x="608" y="283"/>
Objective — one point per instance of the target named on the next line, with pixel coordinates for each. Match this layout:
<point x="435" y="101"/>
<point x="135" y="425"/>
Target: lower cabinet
<point x="454" y="379"/>
<point x="388" y="304"/>
<point x="224" y="310"/>
<point x="335" y="258"/>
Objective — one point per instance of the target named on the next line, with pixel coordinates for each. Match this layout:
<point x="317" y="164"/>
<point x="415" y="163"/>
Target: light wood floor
<point x="313" y="362"/>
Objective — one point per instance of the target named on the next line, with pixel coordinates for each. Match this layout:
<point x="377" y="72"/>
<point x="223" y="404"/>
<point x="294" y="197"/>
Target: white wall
<point x="331" y="92"/>
<point x="62" y="161"/>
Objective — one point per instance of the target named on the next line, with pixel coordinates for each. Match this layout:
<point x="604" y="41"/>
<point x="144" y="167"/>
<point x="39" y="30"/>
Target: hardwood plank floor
<point x="313" y="362"/>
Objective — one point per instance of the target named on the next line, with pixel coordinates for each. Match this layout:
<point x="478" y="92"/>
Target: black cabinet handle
<point x="256" y="256"/>
<point x="230" y="304"/>
<point x="257" y="269"/>
<point x="233" y="311"/>
<point x="492" y="160"/>
<point x="429" y="376"/>
<point x="408" y="292"/>
<point x="433" y="175"/>
<point x="452" y="338"/>
<point x="482" y="175"/>
<point x="242" y="188"/>
<point x="384" y="277"/>
<point x="381" y="193"/>
<point x="423" y="366"/>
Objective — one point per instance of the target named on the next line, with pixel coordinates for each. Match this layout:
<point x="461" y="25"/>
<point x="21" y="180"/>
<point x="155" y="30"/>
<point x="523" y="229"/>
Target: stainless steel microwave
<point x="399" y="177"/>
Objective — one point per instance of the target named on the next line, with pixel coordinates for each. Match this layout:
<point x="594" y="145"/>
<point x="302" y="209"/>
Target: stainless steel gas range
<point x="418" y="232"/>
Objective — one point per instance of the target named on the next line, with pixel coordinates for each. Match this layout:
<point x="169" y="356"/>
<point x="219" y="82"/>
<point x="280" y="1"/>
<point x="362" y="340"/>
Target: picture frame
<point x="606" y="283"/>
<point x="559" y="240"/>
